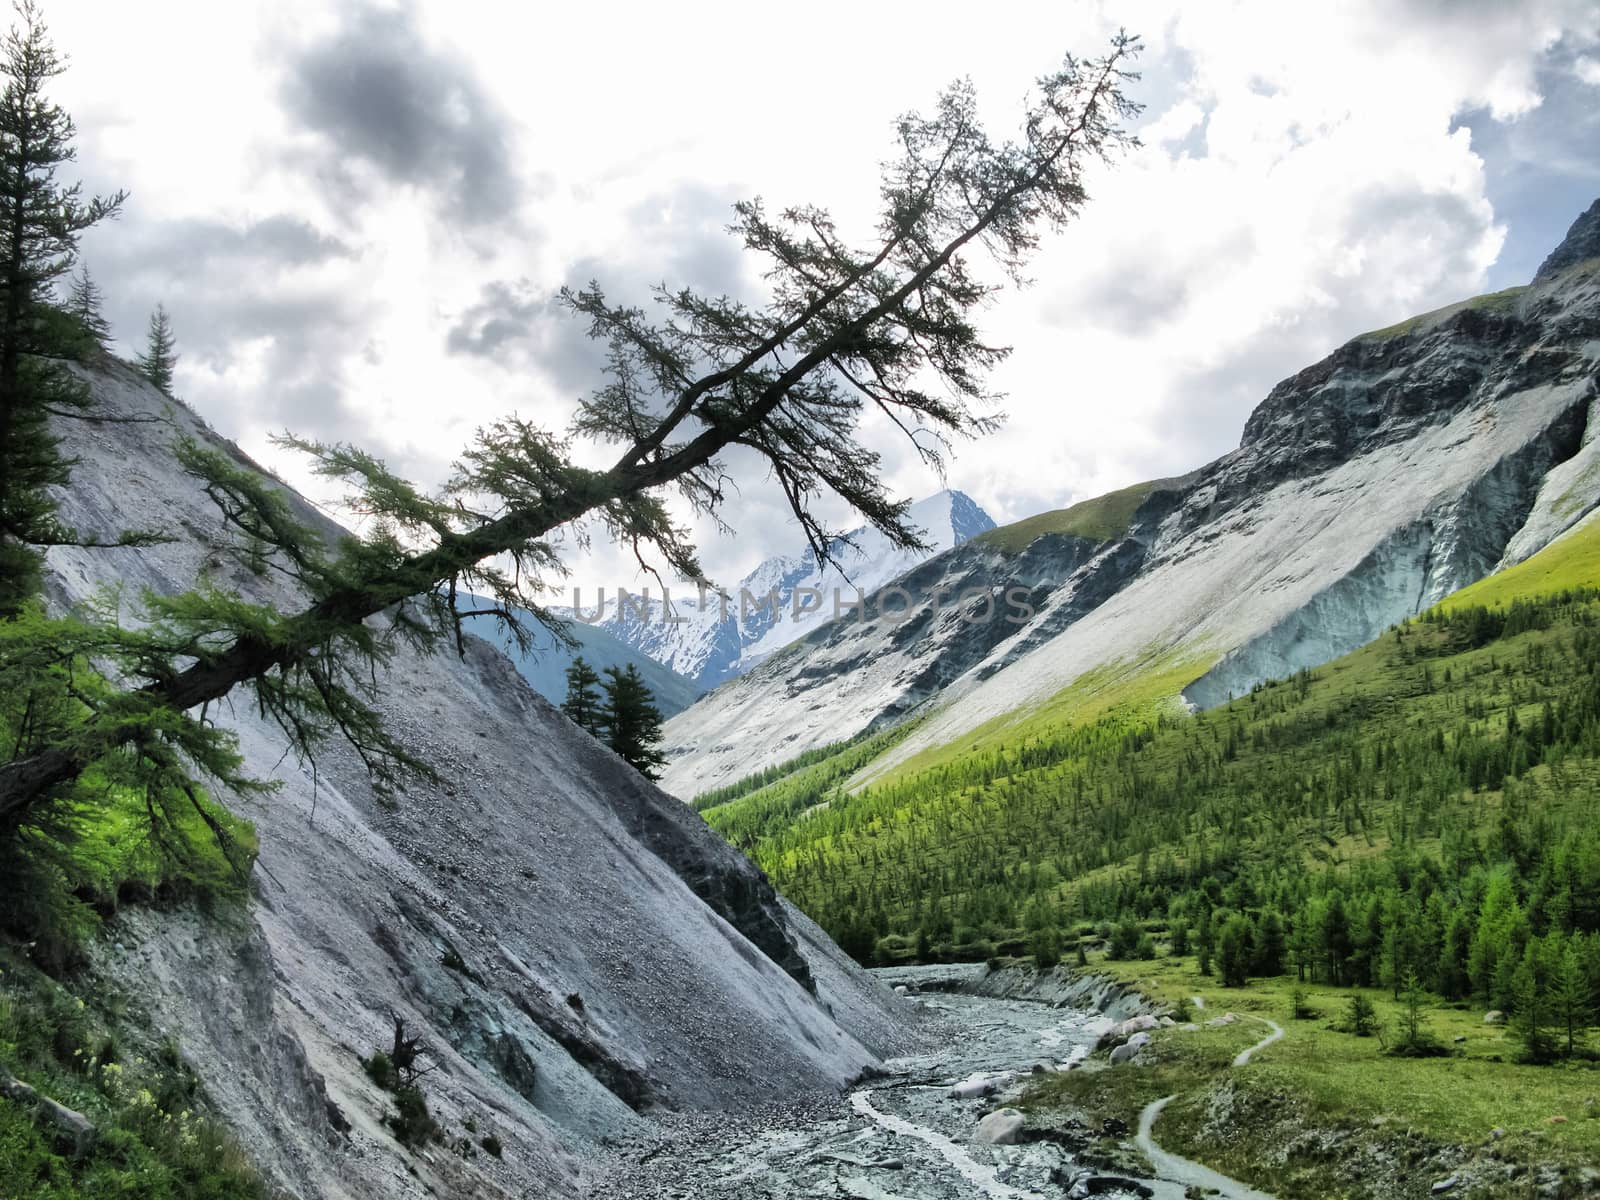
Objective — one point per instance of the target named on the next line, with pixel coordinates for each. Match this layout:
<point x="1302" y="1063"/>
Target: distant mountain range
<point x="544" y="664"/>
<point x="782" y="600"/>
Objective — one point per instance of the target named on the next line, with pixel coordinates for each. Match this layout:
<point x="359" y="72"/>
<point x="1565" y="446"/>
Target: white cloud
<point x="1301" y="181"/>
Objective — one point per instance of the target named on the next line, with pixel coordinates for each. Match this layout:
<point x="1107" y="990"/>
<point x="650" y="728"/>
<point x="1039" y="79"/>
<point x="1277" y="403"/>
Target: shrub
<point x="1046" y="949"/>
<point x="412" y="1123"/>
<point x="1125" y="939"/>
<point x="1360" y="1018"/>
<point x="1180" y="939"/>
<point x="153" y="1140"/>
<point x="380" y="1069"/>
<point x="491" y="1145"/>
<point x="1300" y="1007"/>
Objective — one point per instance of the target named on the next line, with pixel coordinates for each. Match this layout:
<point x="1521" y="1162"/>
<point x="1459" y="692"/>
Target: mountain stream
<point x="908" y="1135"/>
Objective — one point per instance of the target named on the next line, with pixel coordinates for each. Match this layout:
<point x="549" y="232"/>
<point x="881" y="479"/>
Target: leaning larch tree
<point x="848" y="328"/>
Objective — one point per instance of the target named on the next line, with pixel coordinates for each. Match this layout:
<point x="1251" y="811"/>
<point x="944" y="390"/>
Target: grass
<point x="1100" y="519"/>
<point x="810" y="771"/>
<point x="1571" y="561"/>
<point x="1321" y="1077"/>
<point x="154" y="1140"/>
<point x="1492" y="302"/>
<point x="1123" y="693"/>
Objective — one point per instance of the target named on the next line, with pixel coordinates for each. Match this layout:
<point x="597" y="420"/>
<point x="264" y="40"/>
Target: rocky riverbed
<point x="918" y="1132"/>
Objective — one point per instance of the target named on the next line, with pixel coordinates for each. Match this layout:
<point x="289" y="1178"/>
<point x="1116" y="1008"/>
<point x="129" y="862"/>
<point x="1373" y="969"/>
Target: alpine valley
<point x="1231" y="834"/>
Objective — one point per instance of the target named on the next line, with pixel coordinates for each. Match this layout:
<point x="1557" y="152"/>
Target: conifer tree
<point x="1270" y="945"/>
<point x="1533" y="1019"/>
<point x="1361" y="1018"/>
<point x="582" y="704"/>
<point x="159" y="358"/>
<point x="40" y="222"/>
<point x="1572" y="1008"/>
<point x="1235" y="946"/>
<point x="885" y="326"/>
<point x="1414" y="1038"/>
<point x="632" y="721"/>
<point x="84" y="302"/>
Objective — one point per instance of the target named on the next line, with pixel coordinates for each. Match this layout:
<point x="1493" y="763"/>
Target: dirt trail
<point x="1246" y="1054"/>
<point x="1184" y="1171"/>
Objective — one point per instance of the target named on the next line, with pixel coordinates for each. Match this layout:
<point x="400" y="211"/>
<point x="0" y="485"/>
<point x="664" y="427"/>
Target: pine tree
<point x="1533" y="1019"/>
<point x="1235" y="946"/>
<point x="582" y="704"/>
<point x="84" y="302"/>
<point x="1270" y="944"/>
<point x="40" y="222"/>
<point x="632" y="721"/>
<point x="159" y="360"/>
<point x="1361" y="1018"/>
<point x="1180" y="937"/>
<point x="1571" y="1007"/>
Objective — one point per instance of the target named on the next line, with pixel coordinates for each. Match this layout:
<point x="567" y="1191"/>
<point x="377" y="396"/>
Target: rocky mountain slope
<point x="1408" y="463"/>
<point x="714" y="636"/>
<point x="575" y="947"/>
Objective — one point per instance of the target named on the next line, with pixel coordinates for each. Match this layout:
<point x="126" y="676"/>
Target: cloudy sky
<point x="357" y="213"/>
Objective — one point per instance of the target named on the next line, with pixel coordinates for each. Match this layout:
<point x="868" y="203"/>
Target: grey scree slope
<point x="598" y="984"/>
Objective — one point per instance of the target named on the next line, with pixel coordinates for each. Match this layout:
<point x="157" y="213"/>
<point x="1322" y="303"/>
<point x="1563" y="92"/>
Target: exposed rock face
<point x="1403" y="466"/>
<point x="573" y="945"/>
<point x="1581" y="244"/>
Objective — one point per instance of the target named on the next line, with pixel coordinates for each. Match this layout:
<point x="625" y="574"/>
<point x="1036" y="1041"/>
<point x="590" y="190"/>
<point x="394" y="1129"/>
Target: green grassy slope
<point x="1400" y="741"/>
<point x="1494" y="301"/>
<point x="1099" y="519"/>
<point x="1571" y="561"/>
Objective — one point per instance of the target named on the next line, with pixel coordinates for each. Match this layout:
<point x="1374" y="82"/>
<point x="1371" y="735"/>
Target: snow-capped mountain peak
<point x="712" y="636"/>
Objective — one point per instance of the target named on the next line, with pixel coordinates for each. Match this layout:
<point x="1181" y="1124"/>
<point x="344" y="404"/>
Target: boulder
<point x="1224" y="1019"/>
<point x="1139" y="1039"/>
<point x="975" y="1086"/>
<point x="1124" y="1053"/>
<point x="1099" y="1185"/>
<point x="1136" y="1025"/>
<point x="1000" y="1128"/>
<point x="1494" y="1017"/>
<point x="75" y="1133"/>
<point x="1442" y="1186"/>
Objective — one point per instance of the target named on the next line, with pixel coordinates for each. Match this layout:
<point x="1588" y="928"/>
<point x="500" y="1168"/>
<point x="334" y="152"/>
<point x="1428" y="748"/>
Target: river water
<point x="903" y="1136"/>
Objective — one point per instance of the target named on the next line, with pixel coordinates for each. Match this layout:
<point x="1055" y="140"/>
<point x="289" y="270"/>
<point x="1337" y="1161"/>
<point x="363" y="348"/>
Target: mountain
<point x="573" y="946"/>
<point x="1468" y="738"/>
<point x="713" y="637"/>
<point x="544" y="663"/>
<point x="1410" y="462"/>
